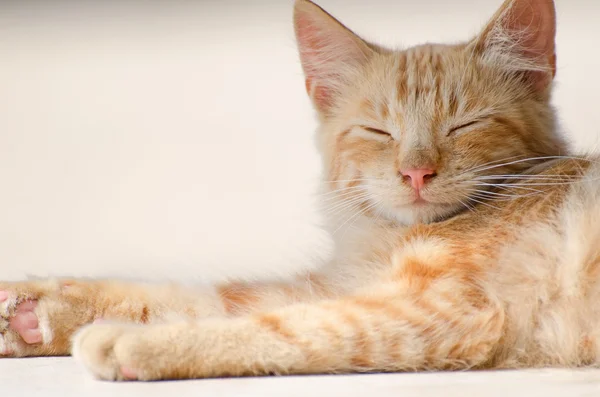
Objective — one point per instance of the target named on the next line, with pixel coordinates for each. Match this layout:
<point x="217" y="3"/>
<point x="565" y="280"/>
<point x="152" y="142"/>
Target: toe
<point x="27" y="306"/>
<point x="23" y="321"/>
<point x="32" y="336"/>
<point x="26" y="324"/>
<point x="3" y="296"/>
<point x="128" y="373"/>
<point x="6" y="351"/>
<point x="94" y="345"/>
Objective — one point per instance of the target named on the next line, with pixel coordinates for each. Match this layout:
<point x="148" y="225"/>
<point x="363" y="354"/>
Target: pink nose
<point x="418" y="177"/>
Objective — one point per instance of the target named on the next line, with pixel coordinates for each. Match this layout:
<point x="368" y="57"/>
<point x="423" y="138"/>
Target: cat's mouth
<point x="420" y="201"/>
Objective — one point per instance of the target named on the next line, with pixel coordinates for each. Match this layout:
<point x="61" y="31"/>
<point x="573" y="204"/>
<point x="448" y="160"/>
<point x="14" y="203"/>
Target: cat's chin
<point x="422" y="211"/>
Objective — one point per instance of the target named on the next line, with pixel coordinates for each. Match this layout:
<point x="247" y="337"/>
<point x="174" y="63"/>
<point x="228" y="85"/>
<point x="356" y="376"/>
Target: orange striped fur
<point x="493" y="263"/>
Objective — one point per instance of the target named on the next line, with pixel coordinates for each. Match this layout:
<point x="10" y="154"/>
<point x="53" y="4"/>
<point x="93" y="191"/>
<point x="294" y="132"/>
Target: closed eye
<point x="376" y="131"/>
<point x="460" y="127"/>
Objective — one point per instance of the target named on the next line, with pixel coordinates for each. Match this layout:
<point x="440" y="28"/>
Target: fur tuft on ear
<point x="329" y="53"/>
<point x="521" y="38"/>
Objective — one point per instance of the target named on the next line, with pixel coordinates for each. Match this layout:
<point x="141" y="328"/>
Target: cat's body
<point x="465" y="238"/>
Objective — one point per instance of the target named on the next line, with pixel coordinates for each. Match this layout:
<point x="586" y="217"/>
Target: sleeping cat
<point x="466" y="237"/>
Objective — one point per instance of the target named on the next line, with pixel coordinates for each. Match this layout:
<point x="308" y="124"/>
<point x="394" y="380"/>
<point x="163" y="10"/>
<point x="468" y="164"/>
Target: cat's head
<point x="419" y="134"/>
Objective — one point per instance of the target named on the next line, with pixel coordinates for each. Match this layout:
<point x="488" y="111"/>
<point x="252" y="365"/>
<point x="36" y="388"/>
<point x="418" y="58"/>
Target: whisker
<point x="529" y="177"/>
<point x="349" y="209"/>
<point x="491" y="162"/>
<point x="490" y="198"/>
<point x="347" y="203"/>
<point x="348" y="189"/>
<point x="536" y="184"/>
<point x="522" y="185"/>
<point x="466" y="205"/>
<point x="357" y="215"/>
<point x="379" y="213"/>
<point x="496" y="194"/>
<point x="342" y="192"/>
<point x="352" y="180"/>
<point x="494" y="198"/>
<point x="342" y="188"/>
<point x="345" y="196"/>
<point x="504" y="187"/>
<point x="531" y="159"/>
<point x="483" y="203"/>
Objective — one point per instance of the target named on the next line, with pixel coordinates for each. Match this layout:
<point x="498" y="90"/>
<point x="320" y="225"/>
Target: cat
<point x="466" y="233"/>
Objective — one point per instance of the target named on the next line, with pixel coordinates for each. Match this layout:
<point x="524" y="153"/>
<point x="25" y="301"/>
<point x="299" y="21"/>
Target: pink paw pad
<point x="3" y="296"/>
<point x="25" y="322"/>
<point x="128" y="373"/>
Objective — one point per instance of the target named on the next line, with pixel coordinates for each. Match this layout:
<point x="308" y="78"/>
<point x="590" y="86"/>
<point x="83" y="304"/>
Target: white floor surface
<point x="62" y="377"/>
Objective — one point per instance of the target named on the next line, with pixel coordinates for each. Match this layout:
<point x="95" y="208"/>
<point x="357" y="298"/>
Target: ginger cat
<point x="466" y="237"/>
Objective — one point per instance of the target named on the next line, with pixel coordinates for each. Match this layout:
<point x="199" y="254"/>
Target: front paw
<point x="97" y="347"/>
<point x="122" y="351"/>
<point x="135" y="352"/>
<point x="24" y="326"/>
<point x="38" y="317"/>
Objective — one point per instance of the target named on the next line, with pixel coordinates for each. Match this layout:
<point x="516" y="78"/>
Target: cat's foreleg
<point x="378" y="330"/>
<point x="39" y="317"/>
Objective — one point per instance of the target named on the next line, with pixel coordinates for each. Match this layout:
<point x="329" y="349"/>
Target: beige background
<point x="176" y="141"/>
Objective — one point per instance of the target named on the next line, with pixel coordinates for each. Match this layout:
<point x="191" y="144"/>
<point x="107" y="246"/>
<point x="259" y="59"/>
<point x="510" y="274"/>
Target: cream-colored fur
<point x="493" y="263"/>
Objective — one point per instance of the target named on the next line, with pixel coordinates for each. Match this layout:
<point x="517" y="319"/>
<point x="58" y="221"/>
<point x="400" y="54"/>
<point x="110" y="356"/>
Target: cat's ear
<point x="329" y="52"/>
<point x="521" y="38"/>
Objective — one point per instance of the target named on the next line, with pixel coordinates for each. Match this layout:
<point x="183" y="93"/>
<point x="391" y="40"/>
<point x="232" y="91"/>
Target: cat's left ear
<point x="521" y="38"/>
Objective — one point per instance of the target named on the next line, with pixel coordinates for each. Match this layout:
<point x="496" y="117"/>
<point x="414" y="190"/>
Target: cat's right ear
<point x="329" y="53"/>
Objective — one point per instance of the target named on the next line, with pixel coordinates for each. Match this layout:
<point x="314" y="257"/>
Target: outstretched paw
<point x="139" y="352"/>
<point x="37" y="317"/>
<point x="112" y="351"/>
<point x="20" y="325"/>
